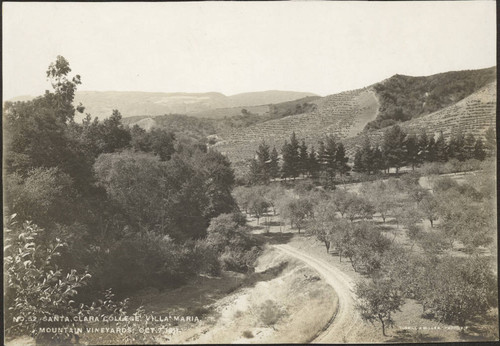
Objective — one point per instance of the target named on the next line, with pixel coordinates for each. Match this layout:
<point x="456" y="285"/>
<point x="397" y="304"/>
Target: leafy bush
<point x="270" y="312"/>
<point x="37" y="289"/>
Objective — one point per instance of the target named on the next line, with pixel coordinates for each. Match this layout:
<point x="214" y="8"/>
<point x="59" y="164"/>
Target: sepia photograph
<point x="249" y="172"/>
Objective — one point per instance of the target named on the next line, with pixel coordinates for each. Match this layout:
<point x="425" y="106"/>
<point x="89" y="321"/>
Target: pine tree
<point x="290" y="158"/>
<point x="470" y="142"/>
<point x="358" y="162"/>
<point x="329" y="155"/>
<point x="431" y="150"/>
<point x="303" y="158"/>
<point x="456" y="146"/>
<point x="393" y="147"/>
<point x="423" y="147"/>
<point x="260" y="170"/>
<point x="441" y="152"/>
<point x="367" y="156"/>
<point x="341" y="160"/>
<point x="412" y="149"/>
<point x="313" y="164"/>
<point x="491" y="141"/>
<point x="479" y="152"/>
<point x="321" y="157"/>
<point x="274" y="168"/>
<point x="294" y="155"/>
<point x="378" y="159"/>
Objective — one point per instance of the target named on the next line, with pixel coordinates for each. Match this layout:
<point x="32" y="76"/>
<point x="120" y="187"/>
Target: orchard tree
<point x="466" y="289"/>
<point x="378" y="300"/>
<point x="429" y="207"/>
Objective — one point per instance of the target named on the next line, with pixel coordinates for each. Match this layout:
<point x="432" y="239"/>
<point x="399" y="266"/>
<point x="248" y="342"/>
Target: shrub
<point x="36" y="288"/>
<point x="270" y="312"/>
<point x="248" y="334"/>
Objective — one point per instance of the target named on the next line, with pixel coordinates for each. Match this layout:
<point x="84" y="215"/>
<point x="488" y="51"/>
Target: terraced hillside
<point x="343" y="115"/>
<point x="474" y="114"/>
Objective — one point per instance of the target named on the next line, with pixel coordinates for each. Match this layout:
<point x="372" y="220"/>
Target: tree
<point x="329" y="158"/>
<point x="440" y="148"/>
<point x="412" y="150"/>
<point x="260" y="169"/>
<point x="341" y="160"/>
<point x="303" y="158"/>
<point x="313" y="164"/>
<point x="257" y="205"/>
<point x="478" y="152"/>
<point x="274" y="167"/>
<point x="162" y="143"/>
<point x="431" y="150"/>
<point x="456" y="146"/>
<point x="290" y="158"/>
<point x="429" y="207"/>
<point x="381" y="197"/>
<point x="466" y="289"/>
<point x="359" y="207"/>
<point x="378" y="300"/>
<point x="393" y="147"/>
<point x="469" y="142"/>
<point x="491" y="141"/>
<point x="423" y="146"/>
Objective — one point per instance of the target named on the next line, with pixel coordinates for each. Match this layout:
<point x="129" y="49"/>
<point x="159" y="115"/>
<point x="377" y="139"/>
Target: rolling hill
<point x="207" y="105"/>
<point x="463" y="99"/>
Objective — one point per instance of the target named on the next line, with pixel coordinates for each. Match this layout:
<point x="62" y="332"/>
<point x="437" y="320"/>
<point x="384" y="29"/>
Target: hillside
<point x="343" y="115"/>
<point x="403" y="98"/>
<point x="474" y="114"/>
<point x="207" y="105"/>
<point x="464" y="99"/>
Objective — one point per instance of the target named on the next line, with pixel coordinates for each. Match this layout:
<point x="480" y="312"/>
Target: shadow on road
<point x="275" y="238"/>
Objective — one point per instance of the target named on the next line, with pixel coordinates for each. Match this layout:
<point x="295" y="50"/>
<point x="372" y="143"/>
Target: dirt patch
<point x="291" y="307"/>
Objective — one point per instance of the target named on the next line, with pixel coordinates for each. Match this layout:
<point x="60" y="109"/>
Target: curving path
<point x="347" y="321"/>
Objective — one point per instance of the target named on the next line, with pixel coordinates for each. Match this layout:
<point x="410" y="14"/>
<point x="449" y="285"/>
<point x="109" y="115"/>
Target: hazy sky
<point x="320" y="47"/>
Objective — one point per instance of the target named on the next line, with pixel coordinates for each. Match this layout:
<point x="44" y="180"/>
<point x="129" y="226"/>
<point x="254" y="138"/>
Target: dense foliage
<point x="133" y="206"/>
<point x="403" y="98"/>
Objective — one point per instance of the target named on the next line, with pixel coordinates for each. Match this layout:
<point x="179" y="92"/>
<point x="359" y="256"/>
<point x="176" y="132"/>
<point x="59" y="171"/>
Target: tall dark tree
<point x="341" y="160"/>
<point x="470" y="141"/>
<point x="260" y="170"/>
<point x="393" y="147"/>
<point x="441" y="149"/>
<point x="412" y="150"/>
<point x="329" y="156"/>
<point x="491" y="141"/>
<point x="303" y="158"/>
<point x="479" y="153"/>
<point x="423" y="146"/>
<point x="378" y="159"/>
<point x="456" y="146"/>
<point x="313" y="163"/>
<point x="431" y="155"/>
<point x="274" y="168"/>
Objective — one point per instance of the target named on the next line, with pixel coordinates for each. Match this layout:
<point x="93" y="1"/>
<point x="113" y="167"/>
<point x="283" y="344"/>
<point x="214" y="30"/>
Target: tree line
<point x="329" y="161"/>
<point x="400" y="149"/>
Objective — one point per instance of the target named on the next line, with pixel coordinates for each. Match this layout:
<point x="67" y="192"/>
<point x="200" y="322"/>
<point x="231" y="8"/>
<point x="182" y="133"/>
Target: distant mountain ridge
<point x="134" y="103"/>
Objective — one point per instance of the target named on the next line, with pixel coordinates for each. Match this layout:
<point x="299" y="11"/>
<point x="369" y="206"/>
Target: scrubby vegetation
<point x="403" y="98"/>
<point x="109" y="207"/>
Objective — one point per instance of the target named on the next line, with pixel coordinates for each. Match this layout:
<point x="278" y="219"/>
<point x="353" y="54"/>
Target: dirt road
<point x="347" y="321"/>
